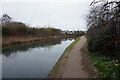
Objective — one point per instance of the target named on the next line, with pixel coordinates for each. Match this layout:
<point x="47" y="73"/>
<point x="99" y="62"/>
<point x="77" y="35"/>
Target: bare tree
<point x="110" y="12"/>
<point x="104" y="24"/>
<point x="5" y="19"/>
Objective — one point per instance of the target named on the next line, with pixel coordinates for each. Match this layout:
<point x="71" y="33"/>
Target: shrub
<point x="6" y="31"/>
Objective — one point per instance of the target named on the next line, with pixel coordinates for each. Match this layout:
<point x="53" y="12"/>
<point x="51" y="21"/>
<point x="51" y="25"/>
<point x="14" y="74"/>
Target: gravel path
<point x="76" y="65"/>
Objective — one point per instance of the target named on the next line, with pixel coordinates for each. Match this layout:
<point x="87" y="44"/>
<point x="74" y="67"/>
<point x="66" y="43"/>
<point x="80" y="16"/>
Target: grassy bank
<point x="14" y="32"/>
<point x="56" y="70"/>
<point x="108" y="67"/>
<point x="13" y="40"/>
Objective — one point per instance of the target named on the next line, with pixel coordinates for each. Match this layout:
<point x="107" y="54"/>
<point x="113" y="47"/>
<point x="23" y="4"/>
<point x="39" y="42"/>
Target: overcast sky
<point x="63" y="14"/>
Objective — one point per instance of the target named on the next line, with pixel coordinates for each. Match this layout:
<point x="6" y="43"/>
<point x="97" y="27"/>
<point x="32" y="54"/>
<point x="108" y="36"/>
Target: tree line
<point x="14" y="28"/>
<point x="103" y="24"/>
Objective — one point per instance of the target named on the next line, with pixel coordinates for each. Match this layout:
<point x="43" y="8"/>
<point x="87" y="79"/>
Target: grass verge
<point x="108" y="67"/>
<point x="73" y="43"/>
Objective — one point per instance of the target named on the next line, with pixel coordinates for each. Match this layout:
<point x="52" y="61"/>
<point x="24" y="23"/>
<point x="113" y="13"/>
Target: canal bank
<point x="10" y="40"/>
<point x="74" y="63"/>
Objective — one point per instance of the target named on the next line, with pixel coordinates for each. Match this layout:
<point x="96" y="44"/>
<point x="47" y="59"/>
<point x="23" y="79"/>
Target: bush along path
<point x="74" y="63"/>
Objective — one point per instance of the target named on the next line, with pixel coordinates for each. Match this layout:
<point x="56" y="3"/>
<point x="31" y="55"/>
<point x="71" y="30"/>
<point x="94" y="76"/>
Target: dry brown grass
<point x="9" y="40"/>
<point x="12" y="40"/>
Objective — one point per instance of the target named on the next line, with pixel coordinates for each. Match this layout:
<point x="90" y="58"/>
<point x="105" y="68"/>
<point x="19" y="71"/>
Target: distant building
<point x="73" y="32"/>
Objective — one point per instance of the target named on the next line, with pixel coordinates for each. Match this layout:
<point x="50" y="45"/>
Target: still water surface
<point x="32" y="60"/>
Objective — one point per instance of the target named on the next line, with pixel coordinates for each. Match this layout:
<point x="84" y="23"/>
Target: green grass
<point x="107" y="66"/>
<point x="73" y="43"/>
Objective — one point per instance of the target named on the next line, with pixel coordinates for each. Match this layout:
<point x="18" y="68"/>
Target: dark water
<point x="32" y="60"/>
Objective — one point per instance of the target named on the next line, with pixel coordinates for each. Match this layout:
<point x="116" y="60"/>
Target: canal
<point x="32" y="60"/>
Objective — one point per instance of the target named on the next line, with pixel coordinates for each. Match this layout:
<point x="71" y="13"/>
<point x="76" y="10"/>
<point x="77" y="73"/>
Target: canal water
<point x="32" y="60"/>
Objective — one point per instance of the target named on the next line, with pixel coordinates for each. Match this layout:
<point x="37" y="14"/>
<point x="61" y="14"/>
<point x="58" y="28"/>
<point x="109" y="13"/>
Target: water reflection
<point x="41" y="43"/>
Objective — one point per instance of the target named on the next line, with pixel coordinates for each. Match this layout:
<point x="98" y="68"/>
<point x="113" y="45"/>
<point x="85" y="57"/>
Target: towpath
<point x="74" y="63"/>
